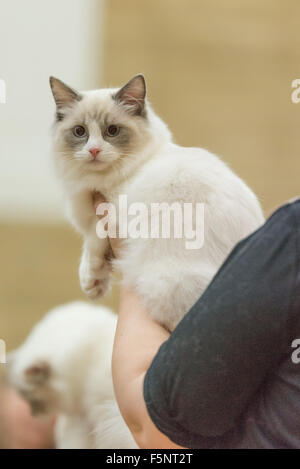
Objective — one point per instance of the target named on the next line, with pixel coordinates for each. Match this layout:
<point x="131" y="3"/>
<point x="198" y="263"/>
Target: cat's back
<point x="179" y="167"/>
<point x="194" y="175"/>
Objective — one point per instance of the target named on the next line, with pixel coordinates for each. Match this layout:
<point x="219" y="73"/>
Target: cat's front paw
<point x="94" y="278"/>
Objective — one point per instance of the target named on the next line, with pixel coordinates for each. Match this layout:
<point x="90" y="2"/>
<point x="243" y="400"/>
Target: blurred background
<point x="218" y="72"/>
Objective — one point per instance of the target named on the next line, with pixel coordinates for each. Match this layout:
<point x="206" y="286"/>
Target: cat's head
<point x="95" y="129"/>
<point x="49" y="369"/>
<point x="33" y="383"/>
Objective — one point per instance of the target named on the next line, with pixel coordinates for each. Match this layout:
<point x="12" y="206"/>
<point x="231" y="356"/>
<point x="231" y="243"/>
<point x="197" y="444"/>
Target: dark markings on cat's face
<point x="74" y="143"/>
<point x="122" y="140"/>
<point x="59" y="116"/>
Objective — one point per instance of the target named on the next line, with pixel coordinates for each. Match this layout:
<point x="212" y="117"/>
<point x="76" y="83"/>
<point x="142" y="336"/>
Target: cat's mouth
<point x="95" y="164"/>
<point x="93" y="161"/>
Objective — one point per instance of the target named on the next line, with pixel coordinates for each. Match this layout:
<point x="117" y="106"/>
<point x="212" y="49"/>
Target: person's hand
<point x="18" y="428"/>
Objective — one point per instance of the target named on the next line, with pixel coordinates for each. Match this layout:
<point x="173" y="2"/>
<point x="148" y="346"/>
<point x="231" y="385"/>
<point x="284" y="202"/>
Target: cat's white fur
<point x="64" y="368"/>
<point x="168" y="277"/>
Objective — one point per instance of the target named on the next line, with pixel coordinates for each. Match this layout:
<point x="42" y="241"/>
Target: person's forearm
<point x="137" y="341"/>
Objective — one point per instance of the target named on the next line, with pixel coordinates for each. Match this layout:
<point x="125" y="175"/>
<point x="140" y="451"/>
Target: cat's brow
<point x="103" y="118"/>
<point x="97" y="116"/>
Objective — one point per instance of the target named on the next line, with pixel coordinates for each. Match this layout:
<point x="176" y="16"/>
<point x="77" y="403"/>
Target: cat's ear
<point x="64" y="96"/>
<point x="38" y="373"/>
<point x="132" y="95"/>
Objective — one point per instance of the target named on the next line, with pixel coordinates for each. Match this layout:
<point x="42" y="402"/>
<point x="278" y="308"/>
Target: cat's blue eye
<point x="112" y="130"/>
<point x="79" y="131"/>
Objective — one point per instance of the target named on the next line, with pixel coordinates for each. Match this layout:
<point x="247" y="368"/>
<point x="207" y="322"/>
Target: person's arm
<point x="205" y="374"/>
<point x="137" y="341"/>
<point x="215" y="363"/>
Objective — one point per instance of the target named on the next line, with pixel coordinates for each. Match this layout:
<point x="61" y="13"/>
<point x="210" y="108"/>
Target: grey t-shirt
<point x="225" y="378"/>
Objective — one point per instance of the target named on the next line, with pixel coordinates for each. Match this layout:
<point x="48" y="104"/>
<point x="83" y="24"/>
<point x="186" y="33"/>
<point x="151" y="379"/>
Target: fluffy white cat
<point x="64" y="368"/>
<point x="111" y="141"/>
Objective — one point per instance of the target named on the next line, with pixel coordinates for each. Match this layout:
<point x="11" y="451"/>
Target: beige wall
<point x="219" y="73"/>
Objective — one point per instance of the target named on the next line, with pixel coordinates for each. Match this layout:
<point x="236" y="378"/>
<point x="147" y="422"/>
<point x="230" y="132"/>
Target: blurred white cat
<point x="111" y="141"/>
<point x="64" y="368"/>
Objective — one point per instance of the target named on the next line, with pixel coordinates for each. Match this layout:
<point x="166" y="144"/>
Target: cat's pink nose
<point x="94" y="151"/>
